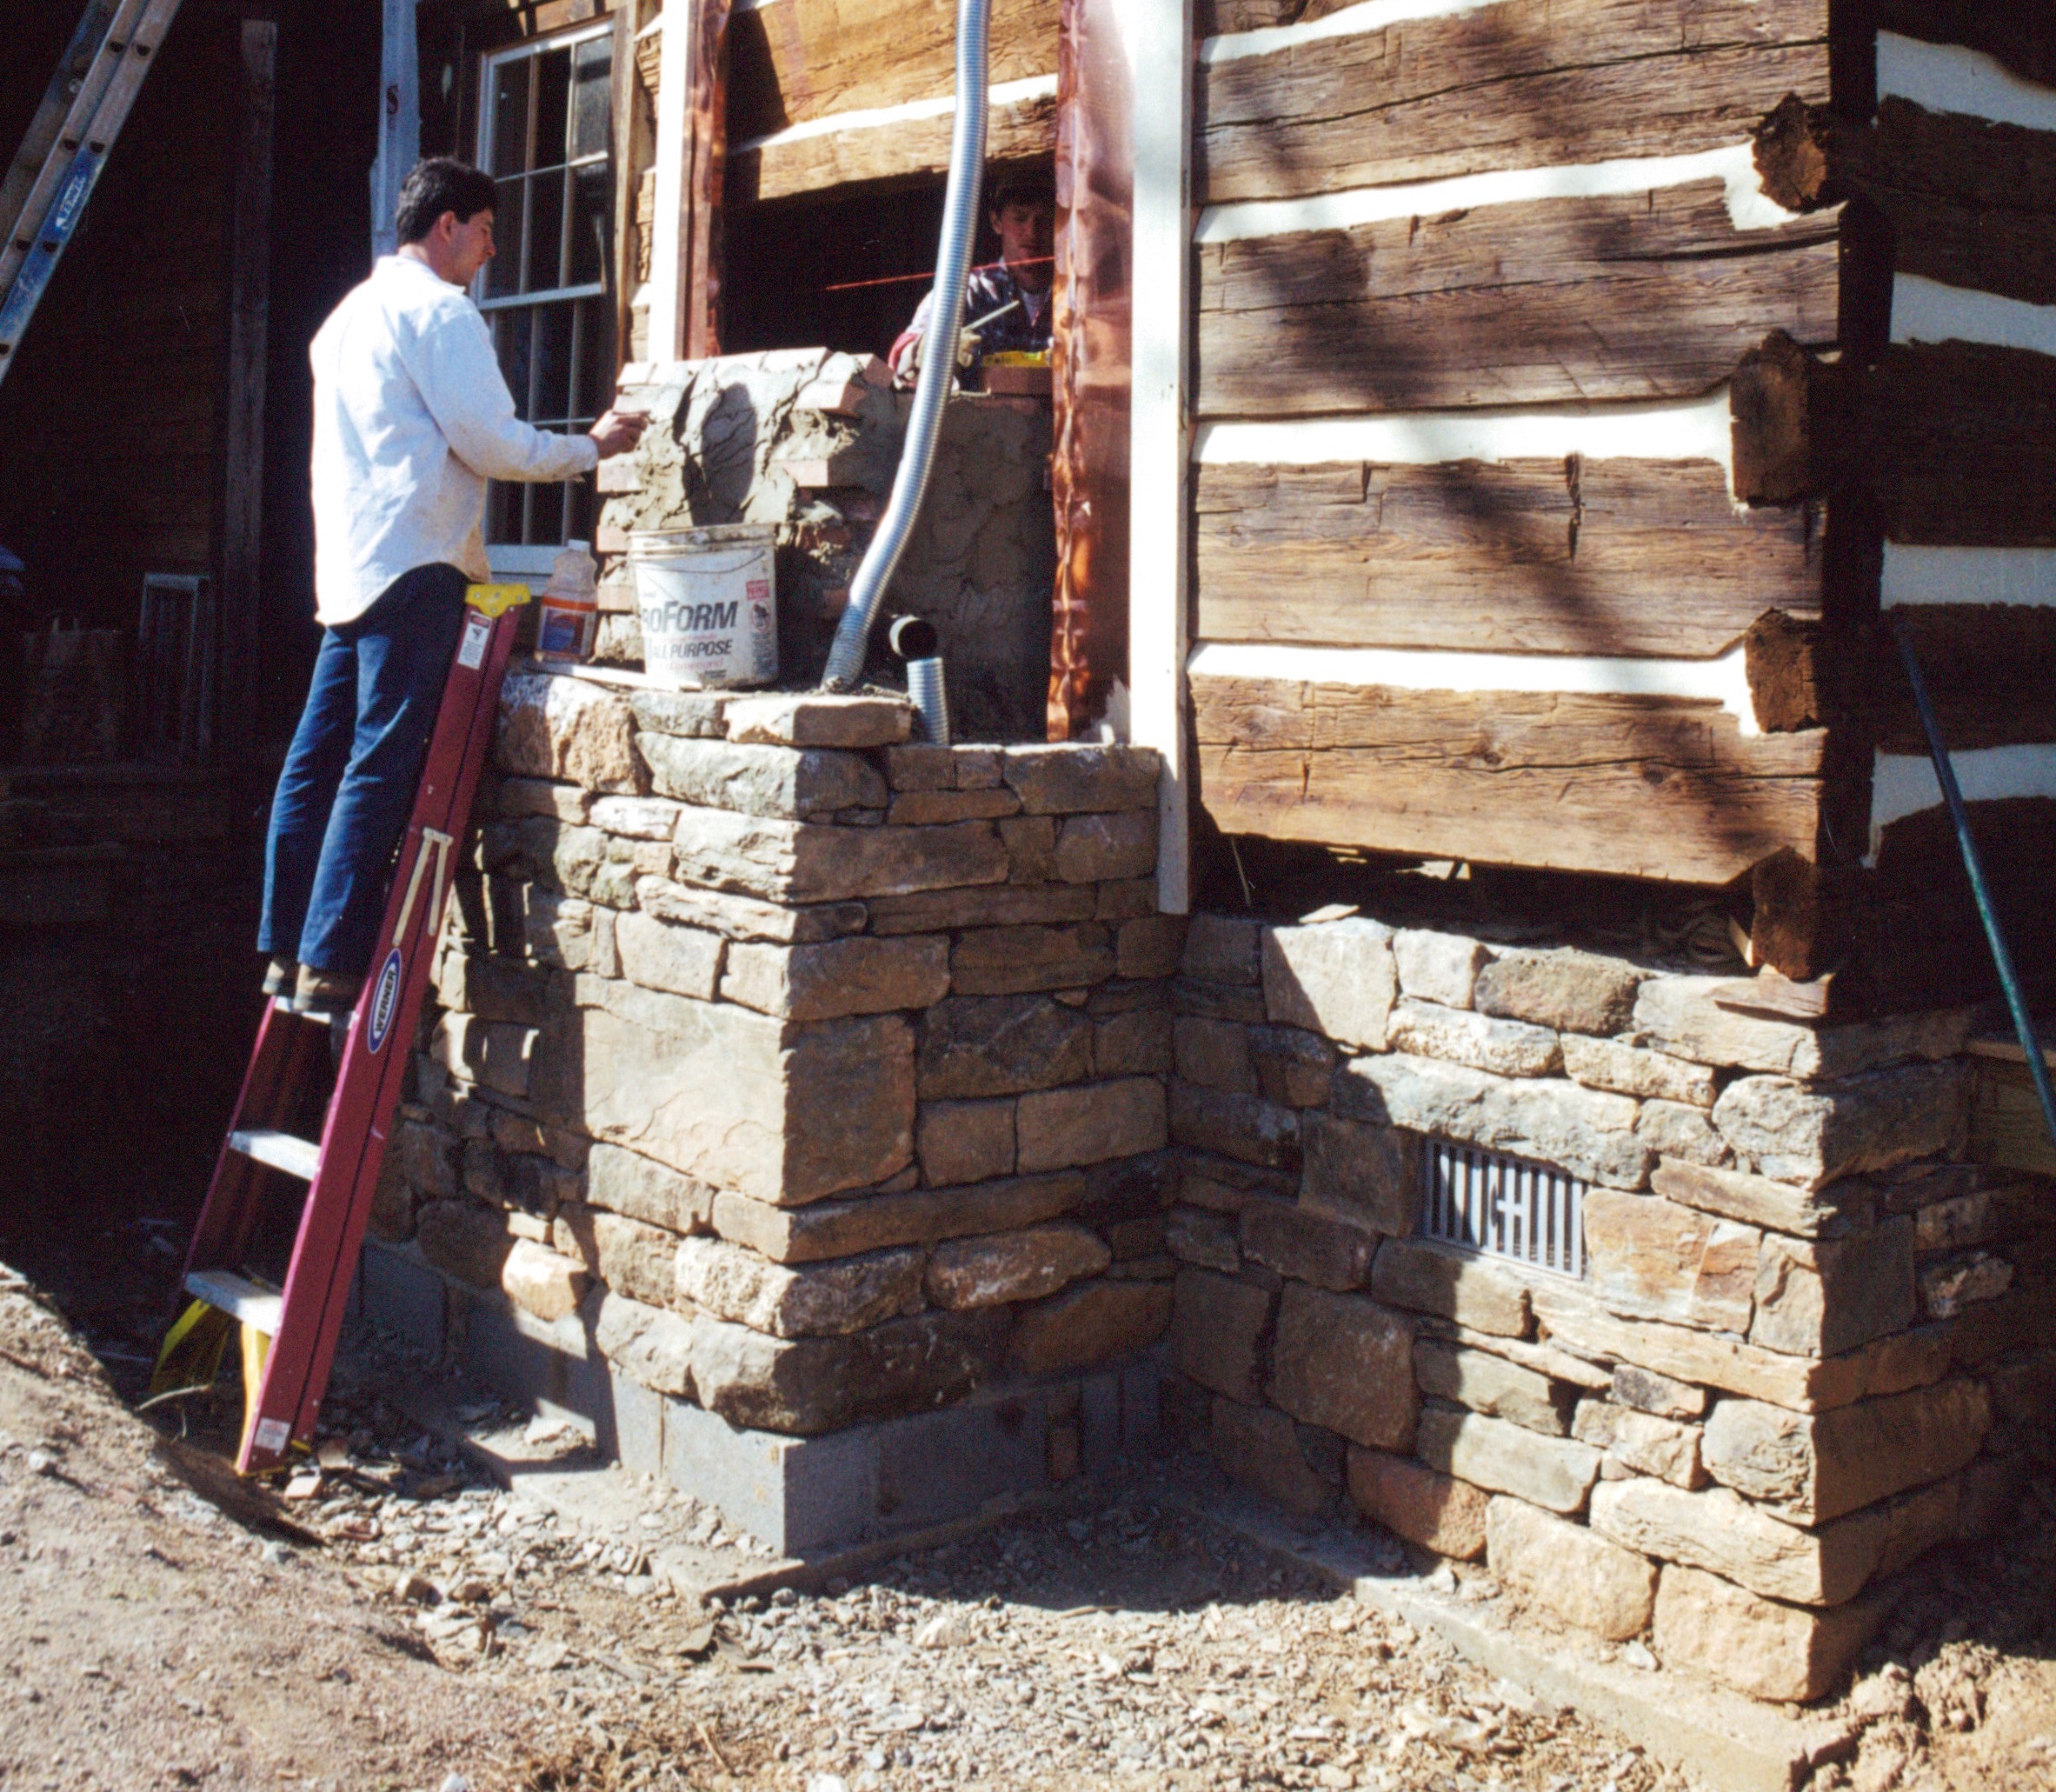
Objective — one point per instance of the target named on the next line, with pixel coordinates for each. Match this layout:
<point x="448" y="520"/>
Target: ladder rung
<point x="238" y="1296"/>
<point x="320" y="1016"/>
<point x="295" y="1156"/>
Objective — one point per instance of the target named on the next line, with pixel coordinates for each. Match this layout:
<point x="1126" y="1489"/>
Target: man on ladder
<point x="411" y="417"/>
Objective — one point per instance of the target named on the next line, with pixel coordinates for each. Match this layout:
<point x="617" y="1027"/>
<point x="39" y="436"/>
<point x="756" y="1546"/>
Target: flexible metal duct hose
<point x="938" y="355"/>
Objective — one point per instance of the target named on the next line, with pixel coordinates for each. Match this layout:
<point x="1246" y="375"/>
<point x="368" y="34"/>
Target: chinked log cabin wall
<point x="1671" y="348"/>
<point x="809" y="79"/>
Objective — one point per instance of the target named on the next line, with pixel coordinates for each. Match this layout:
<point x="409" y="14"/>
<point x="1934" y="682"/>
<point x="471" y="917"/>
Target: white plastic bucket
<point x="709" y="603"/>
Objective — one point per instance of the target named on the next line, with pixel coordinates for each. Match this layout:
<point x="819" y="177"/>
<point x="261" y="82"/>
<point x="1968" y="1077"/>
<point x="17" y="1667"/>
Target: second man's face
<point x="1028" y="230"/>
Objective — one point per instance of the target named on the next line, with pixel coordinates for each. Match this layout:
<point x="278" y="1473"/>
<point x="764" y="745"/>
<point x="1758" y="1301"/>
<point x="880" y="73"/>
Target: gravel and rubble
<point x="445" y="1630"/>
<point x="1137" y="1640"/>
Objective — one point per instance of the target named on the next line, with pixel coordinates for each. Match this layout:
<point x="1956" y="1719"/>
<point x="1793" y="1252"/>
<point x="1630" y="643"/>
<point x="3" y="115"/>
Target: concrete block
<point x="1099" y="1422"/>
<point x="796" y="1494"/>
<point x="401" y="1294"/>
<point x="546" y="1366"/>
<point x="1141" y="1408"/>
<point x="935" y="1466"/>
<point x="635" y="1433"/>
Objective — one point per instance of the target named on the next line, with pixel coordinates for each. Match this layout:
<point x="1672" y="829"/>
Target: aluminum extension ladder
<point x="290" y="1325"/>
<point x="43" y="195"/>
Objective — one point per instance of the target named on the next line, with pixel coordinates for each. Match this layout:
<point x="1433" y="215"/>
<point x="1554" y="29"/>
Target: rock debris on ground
<point x="430" y="1630"/>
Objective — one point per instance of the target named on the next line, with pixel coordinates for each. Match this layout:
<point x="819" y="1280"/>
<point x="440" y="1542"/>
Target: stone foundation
<point x="831" y="1122"/>
<point x="1809" y="1342"/>
<point x="789" y="1081"/>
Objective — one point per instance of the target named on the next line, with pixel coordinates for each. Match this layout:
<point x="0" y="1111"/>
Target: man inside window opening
<point x="411" y="417"/>
<point x="1022" y="213"/>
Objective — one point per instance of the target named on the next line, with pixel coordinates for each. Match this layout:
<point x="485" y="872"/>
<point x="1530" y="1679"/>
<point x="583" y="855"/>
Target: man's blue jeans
<point x="348" y="783"/>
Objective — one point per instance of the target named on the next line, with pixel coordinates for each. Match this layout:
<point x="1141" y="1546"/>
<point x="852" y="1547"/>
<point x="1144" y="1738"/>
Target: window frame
<point x="490" y="61"/>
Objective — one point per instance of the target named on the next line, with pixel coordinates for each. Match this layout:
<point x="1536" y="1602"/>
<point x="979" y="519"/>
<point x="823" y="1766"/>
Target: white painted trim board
<point x="1159" y="39"/>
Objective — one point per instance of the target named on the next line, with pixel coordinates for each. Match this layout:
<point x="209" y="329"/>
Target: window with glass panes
<point x="543" y="138"/>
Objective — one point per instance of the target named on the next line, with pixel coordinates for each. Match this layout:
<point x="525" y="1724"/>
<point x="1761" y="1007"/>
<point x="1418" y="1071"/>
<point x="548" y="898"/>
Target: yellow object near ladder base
<point x="191" y="1356"/>
<point x="255" y="1347"/>
<point x="495" y="600"/>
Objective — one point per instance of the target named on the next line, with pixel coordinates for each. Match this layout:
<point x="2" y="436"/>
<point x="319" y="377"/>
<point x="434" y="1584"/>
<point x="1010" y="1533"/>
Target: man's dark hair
<point x="1021" y="186"/>
<point x="440" y="184"/>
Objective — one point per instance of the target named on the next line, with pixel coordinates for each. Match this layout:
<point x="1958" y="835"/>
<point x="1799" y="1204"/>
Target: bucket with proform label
<point x="708" y="604"/>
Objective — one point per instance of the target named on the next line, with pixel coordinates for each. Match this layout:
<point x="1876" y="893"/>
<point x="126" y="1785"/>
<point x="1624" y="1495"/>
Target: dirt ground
<point x="403" y="1623"/>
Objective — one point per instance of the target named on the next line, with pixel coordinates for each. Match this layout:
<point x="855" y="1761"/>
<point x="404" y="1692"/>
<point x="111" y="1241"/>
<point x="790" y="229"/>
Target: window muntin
<point x="544" y="137"/>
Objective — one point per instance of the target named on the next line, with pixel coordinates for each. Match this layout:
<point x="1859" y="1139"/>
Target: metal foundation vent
<point x="1502" y="1207"/>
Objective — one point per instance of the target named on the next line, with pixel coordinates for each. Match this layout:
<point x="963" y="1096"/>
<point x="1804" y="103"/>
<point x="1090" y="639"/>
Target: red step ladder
<point x="290" y="1329"/>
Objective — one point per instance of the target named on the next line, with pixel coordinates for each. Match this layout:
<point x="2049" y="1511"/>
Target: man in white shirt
<point x="411" y="417"/>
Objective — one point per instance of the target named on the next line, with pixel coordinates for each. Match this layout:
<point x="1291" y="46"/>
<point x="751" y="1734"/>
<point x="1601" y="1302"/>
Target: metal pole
<point x="938" y="355"/>
<point x="2009" y="978"/>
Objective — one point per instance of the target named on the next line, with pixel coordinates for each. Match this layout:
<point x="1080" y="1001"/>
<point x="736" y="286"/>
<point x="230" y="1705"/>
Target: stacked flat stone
<point x="1809" y="1345"/>
<point x="805" y="442"/>
<point x="803" y="1073"/>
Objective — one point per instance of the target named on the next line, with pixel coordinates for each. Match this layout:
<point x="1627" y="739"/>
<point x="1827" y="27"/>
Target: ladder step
<point x="238" y="1296"/>
<point x="321" y="1016"/>
<point x="295" y="1156"/>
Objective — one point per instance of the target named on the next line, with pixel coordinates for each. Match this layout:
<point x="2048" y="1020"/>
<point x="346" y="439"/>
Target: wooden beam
<point x="1649" y="296"/>
<point x="1774" y="399"/>
<point x="1790" y="665"/>
<point x="250" y="309"/>
<point x="1212" y="17"/>
<point x="700" y="287"/>
<point x="690" y="157"/>
<point x="670" y="257"/>
<point x="1159" y="424"/>
<point x="1600" y="557"/>
<point x="1990" y="670"/>
<point x="1635" y="786"/>
<point x="797" y="60"/>
<point x="1018" y="130"/>
<point x="1969" y="203"/>
<point x="1092" y="315"/>
<point x="1916" y="931"/>
<point x="622" y="144"/>
<point x="1957" y="441"/>
<point x="1522" y="83"/>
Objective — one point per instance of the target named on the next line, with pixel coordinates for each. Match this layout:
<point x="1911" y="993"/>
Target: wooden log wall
<point x="1874" y="292"/>
<point x="1940" y="433"/>
<point x="1407" y="223"/>
<point x="808" y="62"/>
<point x="1514" y="85"/>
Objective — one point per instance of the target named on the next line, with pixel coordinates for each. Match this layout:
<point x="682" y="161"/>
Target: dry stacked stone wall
<point x="1810" y="1342"/>
<point x="795" y="1071"/>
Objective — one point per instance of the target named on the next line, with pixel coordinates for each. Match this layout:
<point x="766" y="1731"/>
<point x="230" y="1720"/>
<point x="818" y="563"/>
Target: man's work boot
<point x="281" y="976"/>
<point x="326" y="991"/>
